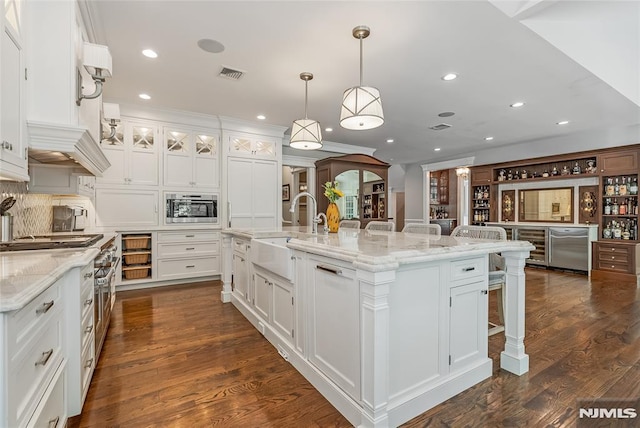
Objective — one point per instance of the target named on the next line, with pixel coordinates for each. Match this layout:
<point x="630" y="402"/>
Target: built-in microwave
<point x="191" y="208"/>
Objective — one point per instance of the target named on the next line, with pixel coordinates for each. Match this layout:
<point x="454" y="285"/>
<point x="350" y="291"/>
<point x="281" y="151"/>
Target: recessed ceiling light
<point x="562" y="122"/>
<point x="261" y="117"/>
<point x="145" y="96"/>
<point x="389" y="140"/>
<point x="328" y="129"/>
<point x="150" y="53"/>
<point x="449" y="76"/>
<point x="517" y="104"/>
<point x="437" y="149"/>
<point x="488" y="138"/>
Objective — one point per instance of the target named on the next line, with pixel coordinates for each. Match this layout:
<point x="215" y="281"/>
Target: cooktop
<point x="49" y="242"/>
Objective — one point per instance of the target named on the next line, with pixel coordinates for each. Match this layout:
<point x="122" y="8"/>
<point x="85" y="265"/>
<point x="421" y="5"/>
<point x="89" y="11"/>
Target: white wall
<point x="414" y="192"/>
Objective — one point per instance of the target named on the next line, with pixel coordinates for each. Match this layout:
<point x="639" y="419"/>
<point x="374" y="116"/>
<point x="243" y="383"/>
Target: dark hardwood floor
<point x="177" y="356"/>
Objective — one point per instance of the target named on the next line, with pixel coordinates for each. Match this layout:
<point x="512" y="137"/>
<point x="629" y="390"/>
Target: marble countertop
<point x="377" y="251"/>
<point x="25" y="274"/>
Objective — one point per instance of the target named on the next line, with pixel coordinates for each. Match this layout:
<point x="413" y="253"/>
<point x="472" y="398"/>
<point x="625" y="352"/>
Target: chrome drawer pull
<point x="468" y="269"/>
<point x="190" y="266"/>
<point x="88" y="302"/>
<point x="53" y="423"/>
<point x="89" y="363"/>
<point x="44" y="308"/>
<point x="329" y="269"/>
<point x="45" y="358"/>
<point x="189" y="236"/>
<point x="89" y="329"/>
<point x="191" y="248"/>
<point x="88" y="275"/>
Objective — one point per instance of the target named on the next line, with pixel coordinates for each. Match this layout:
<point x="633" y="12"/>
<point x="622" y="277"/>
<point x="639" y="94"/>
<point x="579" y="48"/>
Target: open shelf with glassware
<point x="620" y="207"/>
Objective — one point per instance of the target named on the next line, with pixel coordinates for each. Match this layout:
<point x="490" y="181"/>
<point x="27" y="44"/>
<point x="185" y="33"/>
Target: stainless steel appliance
<point x="105" y="267"/>
<point x="191" y="208"/>
<point x="51" y="242"/>
<point x="68" y="219"/>
<point x="569" y="247"/>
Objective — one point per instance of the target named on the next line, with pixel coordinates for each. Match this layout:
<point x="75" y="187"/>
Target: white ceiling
<point x="412" y="44"/>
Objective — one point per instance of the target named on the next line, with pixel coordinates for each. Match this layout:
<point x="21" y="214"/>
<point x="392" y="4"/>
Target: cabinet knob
<point x="7" y="145"/>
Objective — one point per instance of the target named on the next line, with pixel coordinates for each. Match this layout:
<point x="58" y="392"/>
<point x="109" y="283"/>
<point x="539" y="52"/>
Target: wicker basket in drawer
<point x="136" y="272"/>
<point x="136" y="258"/>
<point x="135" y="242"/>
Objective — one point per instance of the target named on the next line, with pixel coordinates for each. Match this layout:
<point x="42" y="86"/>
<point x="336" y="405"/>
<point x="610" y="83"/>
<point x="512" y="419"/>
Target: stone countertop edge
<point x="397" y="258"/>
<point x="541" y="224"/>
<point x="14" y="296"/>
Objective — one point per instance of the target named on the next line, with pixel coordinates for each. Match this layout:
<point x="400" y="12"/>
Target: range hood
<point x="66" y="145"/>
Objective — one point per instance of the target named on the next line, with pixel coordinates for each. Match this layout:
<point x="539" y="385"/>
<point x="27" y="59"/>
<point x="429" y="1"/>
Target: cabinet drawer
<point x="469" y="268"/>
<point x="185" y="268"/>
<point x="86" y="328"/>
<point x="188" y="249"/>
<point x="617" y="257"/>
<point x="187" y="236"/>
<point x="86" y="301"/>
<point x="51" y="411"/>
<point x="240" y="246"/>
<point x="87" y="364"/>
<point x="614" y="250"/>
<point x="614" y="266"/>
<point x="23" y="323"/>
<point x="33" y="368"/>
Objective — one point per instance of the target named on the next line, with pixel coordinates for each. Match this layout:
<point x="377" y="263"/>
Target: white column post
<point x="227" y="267"/>
<point x="513" y="358"/>
<point x="374" y="316"/>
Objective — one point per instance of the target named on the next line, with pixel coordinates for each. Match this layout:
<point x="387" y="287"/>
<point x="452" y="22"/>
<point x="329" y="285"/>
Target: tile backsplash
<point x="32" y="213"/>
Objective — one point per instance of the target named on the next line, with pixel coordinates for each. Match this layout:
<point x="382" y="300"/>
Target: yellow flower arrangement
<point x="332" y="192"/>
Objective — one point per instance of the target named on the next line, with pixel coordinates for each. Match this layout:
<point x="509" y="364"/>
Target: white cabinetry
<point x="467" y="342"/>
<point x="78" y="295"/>
<point x="252" y="146"/>
<point x="253" y="174"/>
<point x="191" y="158"/>
<point x="334" y="330"/>
<point x="32" y="363"/>
<point x="240" y="268"/>
<point x="122" y="207"/>
<point x="133" y="154"/>
<point x="253" y="193"/>
<point x="188" y="254"/>
<point x="273" y="302"/>
<point x="13" y="141"/>
<point x="60" y="180"/>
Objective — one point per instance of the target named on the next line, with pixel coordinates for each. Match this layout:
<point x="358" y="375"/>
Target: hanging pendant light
<point x="306" y="133"/>
<point x="361" y="105"/>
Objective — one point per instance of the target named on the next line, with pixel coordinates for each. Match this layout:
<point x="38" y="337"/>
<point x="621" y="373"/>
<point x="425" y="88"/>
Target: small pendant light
<point x="361" y="105"/>
<point x="306" y="133"/>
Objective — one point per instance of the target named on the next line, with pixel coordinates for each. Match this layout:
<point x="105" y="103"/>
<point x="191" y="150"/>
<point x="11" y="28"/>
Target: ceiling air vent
<point x="230" y="73"/>
<point x="440" y="127"/>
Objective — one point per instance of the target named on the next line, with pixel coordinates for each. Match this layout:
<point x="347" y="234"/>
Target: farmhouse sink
<point x="273" y="255"/>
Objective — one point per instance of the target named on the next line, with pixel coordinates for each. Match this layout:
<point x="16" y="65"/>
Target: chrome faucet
<point x="316" y="216"/>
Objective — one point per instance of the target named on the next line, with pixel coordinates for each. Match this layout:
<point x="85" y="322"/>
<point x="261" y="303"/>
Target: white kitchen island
<point x="385" y="325"/>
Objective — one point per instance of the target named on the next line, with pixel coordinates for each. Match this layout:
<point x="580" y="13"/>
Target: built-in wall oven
<point x="191" y="208"/>
<point x="105" y="267"/>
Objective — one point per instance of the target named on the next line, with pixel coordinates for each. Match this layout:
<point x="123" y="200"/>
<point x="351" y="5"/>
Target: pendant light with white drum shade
<point x="361" y="105"/>
<point x="306" y="133"/>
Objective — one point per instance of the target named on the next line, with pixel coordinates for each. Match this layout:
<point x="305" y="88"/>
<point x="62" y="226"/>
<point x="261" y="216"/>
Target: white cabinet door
<point x="282" y="308"/>
<point x="123" y="207"/>
<point x="252" y="192"/>
<point x="191" y="158"/>
<point x="265" y="193"/>
<point x="335" y="323"/>
<point x="468" y="324"/>
<point x="133" y="154"/>
<point x="13" y="159"/>
<point x="262" y="296"/>
<point x="240" y="276"/>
